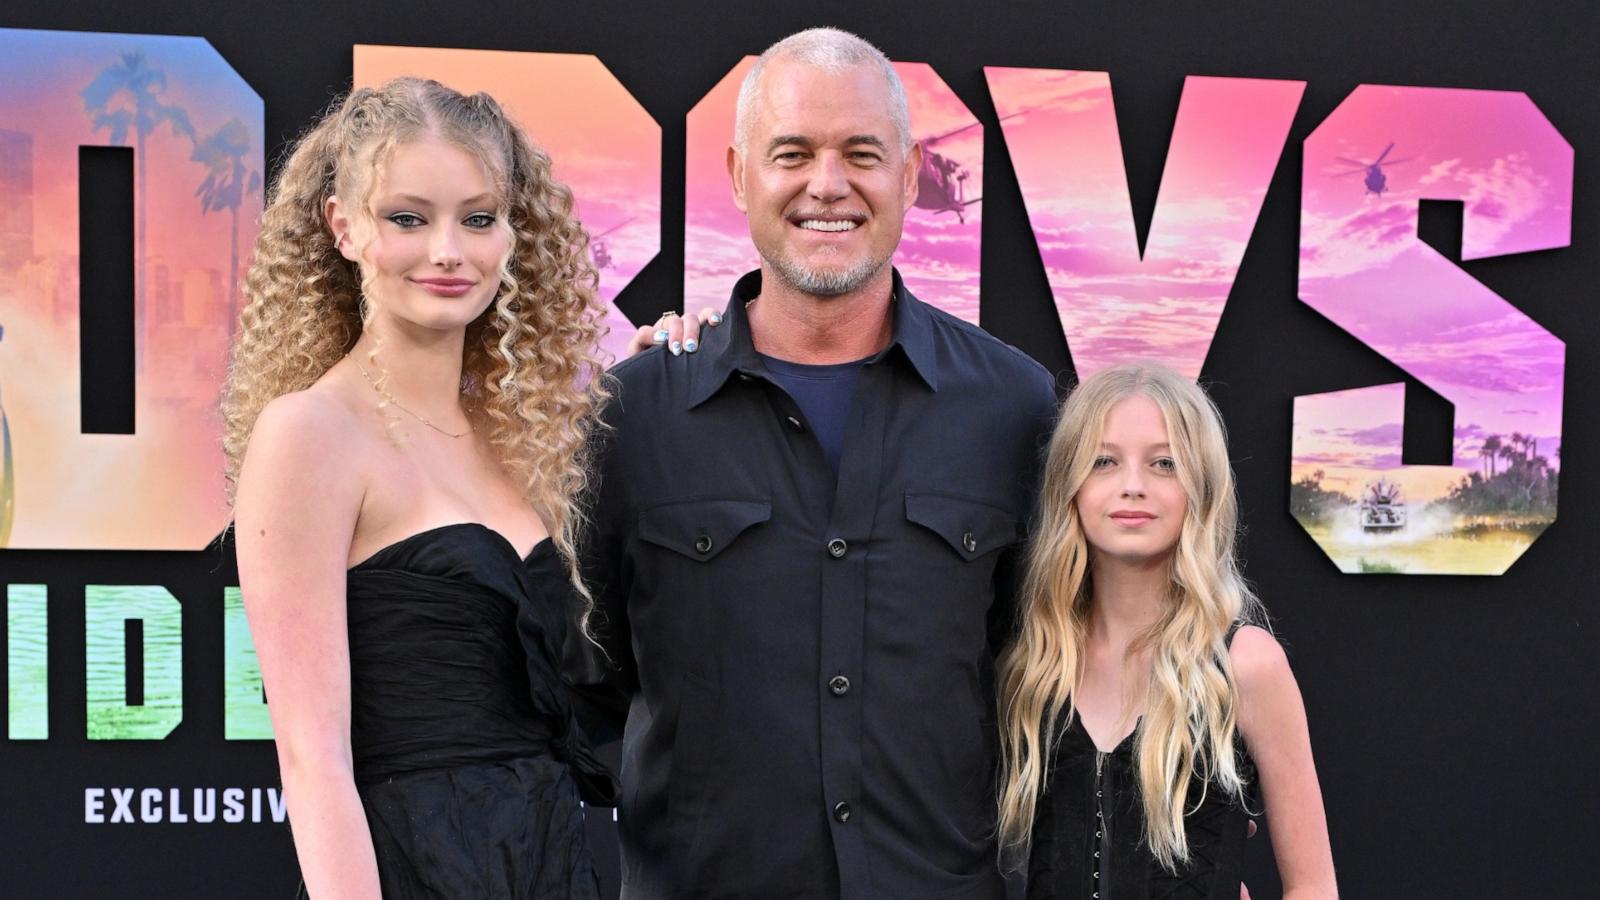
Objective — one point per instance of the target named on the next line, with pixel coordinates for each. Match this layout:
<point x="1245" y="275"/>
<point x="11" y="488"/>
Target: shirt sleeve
<point x="1038" y="409"/>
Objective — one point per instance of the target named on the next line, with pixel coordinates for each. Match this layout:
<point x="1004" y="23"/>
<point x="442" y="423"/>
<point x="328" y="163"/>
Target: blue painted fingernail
<point x="691" y="345"/>
<point x="676" y="347"/>
<point x="660" y="337"/>
<point x="716" y="318"/>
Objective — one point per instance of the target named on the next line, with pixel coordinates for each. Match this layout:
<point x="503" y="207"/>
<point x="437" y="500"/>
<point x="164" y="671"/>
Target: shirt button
<point x="703" y="543"/>
<point x="969" y="542"/>
<point x="794" y="423"/>
<point x="840" y="685"/>
<point x="837" y="548"/>
<point x="841" y="811"/>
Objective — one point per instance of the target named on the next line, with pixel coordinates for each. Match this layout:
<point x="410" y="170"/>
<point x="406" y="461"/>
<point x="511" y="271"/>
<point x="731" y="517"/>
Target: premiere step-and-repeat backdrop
<point x="1368" y="231"/>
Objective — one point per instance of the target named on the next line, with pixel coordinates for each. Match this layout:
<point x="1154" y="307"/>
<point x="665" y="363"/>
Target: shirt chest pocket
<point x="970" y="527"/>
<point x="701" y="530"/>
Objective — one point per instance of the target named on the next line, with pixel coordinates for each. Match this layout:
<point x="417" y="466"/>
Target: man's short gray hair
<point x="830" y="50"/>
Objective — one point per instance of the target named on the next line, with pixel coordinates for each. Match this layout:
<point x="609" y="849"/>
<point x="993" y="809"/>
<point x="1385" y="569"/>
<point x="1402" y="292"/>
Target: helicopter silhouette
<point x="598" y="251"/>
<point x="1376" y="181"/>
<point x="941" y="181"/>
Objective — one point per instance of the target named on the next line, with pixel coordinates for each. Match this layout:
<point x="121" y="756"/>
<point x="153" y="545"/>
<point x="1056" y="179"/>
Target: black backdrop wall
<point x="1454" y="718"/>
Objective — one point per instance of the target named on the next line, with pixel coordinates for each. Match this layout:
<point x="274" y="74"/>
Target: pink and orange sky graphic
<point x="1363" y="266"/>
<point x="1061" y="131"/>
<point x="160" y="488"/>
<point x="939" y="250"/>
<point x="603" y="144"/>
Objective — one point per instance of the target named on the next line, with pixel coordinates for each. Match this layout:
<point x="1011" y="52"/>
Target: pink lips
<point x="1132" y="518"/>
<point x="445" y="287"/>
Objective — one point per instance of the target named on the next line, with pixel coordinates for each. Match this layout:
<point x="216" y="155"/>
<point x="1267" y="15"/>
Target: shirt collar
<point x="728" y="349"/>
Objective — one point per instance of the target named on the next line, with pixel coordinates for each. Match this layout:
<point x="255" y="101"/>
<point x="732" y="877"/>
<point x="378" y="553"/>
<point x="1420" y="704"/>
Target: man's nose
<point x="828" y="182"/>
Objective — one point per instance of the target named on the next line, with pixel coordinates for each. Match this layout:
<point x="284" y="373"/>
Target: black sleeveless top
<point x="1088" y="832"/>
<point x="467" y="755"/>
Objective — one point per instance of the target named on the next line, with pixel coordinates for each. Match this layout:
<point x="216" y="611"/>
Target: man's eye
<point x="407" y="220"/>
<point x="479" y="220"/>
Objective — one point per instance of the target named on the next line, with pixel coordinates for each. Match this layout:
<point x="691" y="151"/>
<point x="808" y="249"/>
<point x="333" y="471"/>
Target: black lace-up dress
<point x="467" y="755"/>
<point x="1088" y="835"/>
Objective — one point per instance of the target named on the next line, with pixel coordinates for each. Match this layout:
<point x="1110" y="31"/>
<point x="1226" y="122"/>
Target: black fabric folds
<point x="466" y="750"/>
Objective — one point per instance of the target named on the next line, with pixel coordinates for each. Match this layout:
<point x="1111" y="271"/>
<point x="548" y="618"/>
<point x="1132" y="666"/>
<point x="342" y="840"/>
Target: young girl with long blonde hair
<point x="408" y="411"/>
<point x="1145" y="713"/>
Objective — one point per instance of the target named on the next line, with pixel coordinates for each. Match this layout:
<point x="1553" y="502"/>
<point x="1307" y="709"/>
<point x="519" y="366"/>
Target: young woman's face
<point x="1132" y="505"/>
<point x="436" y="245"/>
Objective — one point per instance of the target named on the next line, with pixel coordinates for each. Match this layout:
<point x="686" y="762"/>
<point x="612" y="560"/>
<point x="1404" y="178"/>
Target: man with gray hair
<point x="805" y="533"/>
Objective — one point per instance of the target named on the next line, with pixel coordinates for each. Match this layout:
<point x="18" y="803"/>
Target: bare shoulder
<point x="1259" y="662"/>
<point x="316" y="433"/>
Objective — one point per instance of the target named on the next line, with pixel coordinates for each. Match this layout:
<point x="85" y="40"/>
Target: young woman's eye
<point x="1104" y="462"/>
<point x="479" y="220"/>
<point x="407" y="220"/>
<point x="1166" y="464"/>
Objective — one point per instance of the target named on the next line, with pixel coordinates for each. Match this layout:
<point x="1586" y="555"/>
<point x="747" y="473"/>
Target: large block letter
<point x="244" y="711"/>
<point x="1362" y="265"/>
<point x="1117" y="304"/>
<point x="603" y="144"/>
<point x="940" y="244"/>
<point x="195" y="131"/>
<point x="27" y="658"/>
<point x="108" y="611"/>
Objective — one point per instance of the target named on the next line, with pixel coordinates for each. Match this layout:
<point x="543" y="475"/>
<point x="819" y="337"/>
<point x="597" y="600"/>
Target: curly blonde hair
<point x="530" y="363"/>
<point x="1188" y="731"/>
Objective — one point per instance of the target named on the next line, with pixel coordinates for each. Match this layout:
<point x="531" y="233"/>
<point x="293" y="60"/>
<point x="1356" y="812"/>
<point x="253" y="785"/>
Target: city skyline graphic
<point x="195" y="128"/>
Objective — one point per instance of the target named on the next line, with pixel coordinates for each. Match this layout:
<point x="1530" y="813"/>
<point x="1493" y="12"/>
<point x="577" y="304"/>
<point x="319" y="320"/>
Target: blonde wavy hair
<point x="530" y="368"/>
<point x="1188" y="732"/>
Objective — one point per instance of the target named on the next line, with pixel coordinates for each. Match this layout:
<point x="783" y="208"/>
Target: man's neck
<point x="798" y="327"/>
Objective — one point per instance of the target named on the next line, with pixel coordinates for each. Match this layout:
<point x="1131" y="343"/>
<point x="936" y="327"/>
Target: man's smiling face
<point x="823" y="177"/>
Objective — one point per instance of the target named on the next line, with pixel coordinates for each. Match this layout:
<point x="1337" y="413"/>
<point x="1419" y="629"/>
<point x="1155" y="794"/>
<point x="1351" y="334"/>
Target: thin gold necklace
<point x="408" y="412"/>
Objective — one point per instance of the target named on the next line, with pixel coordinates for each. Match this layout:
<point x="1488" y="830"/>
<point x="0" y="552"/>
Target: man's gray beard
<point x="831" y="283"/>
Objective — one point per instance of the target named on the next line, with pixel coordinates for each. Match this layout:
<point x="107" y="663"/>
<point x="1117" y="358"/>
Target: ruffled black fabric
<point x="466" y="748"/>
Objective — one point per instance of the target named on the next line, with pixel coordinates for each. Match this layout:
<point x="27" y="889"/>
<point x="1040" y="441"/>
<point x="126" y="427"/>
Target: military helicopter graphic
<point x="1376" y="181"/>
<point x="941" y="181"/>
<point x="598" y="251"/>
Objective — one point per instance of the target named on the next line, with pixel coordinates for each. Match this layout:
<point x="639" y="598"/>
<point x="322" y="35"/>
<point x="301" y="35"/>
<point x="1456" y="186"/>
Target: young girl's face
<point x="436" y="244"/>
<point x="1132" y="505"/>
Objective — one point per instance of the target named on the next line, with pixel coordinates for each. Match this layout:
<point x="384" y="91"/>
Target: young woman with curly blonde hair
<point x="1144" y="712"/>
<point x="407" y="412"/>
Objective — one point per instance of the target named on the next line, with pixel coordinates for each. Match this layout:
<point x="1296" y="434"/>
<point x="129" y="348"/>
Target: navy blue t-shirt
<point x="824" y="393"/>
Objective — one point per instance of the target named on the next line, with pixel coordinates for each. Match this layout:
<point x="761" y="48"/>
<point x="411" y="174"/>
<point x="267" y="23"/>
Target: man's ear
<point x="736" y="175"/>
<point x="913" y="166"/>
<point x="338" y="220"/>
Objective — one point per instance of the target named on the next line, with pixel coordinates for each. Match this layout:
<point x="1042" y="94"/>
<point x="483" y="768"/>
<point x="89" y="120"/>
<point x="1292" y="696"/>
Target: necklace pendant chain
<point x="374" y="385"/>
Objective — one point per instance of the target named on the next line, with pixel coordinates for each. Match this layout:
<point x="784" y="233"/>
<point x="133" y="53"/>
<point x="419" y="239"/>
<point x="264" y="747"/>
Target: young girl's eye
<point x="407" y="220"/>
<point x="479" y="220"/>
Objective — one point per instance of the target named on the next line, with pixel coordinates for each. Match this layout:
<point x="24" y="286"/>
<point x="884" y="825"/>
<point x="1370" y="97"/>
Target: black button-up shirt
<point x="810" y="658"/>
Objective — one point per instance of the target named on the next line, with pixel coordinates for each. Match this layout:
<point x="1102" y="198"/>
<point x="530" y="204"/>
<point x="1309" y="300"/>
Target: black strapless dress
<point x="467" y="755"/>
